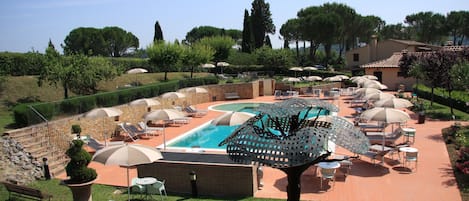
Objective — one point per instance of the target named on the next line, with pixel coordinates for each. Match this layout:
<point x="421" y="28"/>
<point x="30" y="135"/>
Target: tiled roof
<point x="391" y="62"/>
<point x="409" y="42"/>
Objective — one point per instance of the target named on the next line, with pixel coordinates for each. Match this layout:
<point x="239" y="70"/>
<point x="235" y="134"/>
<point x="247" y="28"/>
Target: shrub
<point x="76" y="128"/>
<point x="77" y="169"/>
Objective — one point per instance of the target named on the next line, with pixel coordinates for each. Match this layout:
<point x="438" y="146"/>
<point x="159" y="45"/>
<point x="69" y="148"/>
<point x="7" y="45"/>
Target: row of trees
<point x="108" y="41"/>
<point x="429" y="27"/>
<point x="444" y="68"/>
<point x="328" y="24"/>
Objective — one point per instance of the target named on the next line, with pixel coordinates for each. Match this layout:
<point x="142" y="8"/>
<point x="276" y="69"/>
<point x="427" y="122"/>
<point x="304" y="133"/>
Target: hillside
<point x="20" y="88"/>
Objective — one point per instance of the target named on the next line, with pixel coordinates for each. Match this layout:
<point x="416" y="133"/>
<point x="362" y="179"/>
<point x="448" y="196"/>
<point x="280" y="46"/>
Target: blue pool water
<point x="208" y="136"/>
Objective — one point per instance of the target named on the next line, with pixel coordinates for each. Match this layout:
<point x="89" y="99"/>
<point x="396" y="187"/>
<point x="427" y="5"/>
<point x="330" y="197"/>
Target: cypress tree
<point x="247" y="44"/>
<point x="158" y="33"/>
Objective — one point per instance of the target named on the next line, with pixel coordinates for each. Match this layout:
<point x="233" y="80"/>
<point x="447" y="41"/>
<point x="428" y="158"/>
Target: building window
<point x="356" y="57"/>
<point x="400" y="74"/>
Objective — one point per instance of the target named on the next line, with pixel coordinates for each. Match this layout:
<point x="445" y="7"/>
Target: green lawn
<point x="102" y="192"/>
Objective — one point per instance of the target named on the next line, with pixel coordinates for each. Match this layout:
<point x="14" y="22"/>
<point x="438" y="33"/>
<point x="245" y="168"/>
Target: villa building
<point x="381" y="59"/>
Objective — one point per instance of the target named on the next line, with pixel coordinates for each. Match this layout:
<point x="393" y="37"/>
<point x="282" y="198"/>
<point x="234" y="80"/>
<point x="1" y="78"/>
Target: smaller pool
<point x="237" y="107"/>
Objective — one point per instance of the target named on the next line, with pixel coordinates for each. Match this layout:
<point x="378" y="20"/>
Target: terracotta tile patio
<point x="433" y="180"/>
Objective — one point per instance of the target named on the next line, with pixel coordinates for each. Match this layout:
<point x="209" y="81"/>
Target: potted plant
<point x="419" y="108"/>
<point x="80" y="176"/>
<point x="76" y="129"/>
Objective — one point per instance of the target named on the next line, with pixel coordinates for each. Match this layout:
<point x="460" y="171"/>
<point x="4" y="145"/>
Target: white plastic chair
<point x="157" y="188"/>
<point x="136" y="188"/>
<point x="411" y="157"/>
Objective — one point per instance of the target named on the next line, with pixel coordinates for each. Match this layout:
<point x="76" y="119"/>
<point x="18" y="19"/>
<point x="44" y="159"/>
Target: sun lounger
<point x="387" y="138"/>
<point x="191" y="111"/>
<point x="149" y="129"/>
<point x="367" y="127"/>
<point x="130" y="134"/>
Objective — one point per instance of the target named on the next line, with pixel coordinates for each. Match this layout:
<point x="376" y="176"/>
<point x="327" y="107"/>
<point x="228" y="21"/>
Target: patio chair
<point x="136" y="188"/>
<point x="149" y="129"/>
<point x="130" y="134"/>
<point x="411" y="157"/>
<point x="388" y="138"/>
<point x="194" y="112"/>
<point x="157" y="188"/>
<point x="278" y="95"/>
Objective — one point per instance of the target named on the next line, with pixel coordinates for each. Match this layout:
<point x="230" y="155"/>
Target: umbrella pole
<point x="104" y="135"/>
<point x="128" y="183"/>
<point x="164" y="136"/>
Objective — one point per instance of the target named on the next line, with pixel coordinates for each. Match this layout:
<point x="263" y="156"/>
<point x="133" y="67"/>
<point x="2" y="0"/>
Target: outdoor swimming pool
<point x="208" y="136"/>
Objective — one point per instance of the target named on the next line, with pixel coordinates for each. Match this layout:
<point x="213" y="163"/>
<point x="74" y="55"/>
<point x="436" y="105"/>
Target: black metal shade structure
<point x="283" y="136"/>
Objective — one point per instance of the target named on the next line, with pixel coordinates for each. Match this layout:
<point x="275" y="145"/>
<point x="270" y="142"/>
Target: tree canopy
<point x="261" y="21"/>
<point x="165" y="56"/>
<point x="198" y="33"/>
<point x="77" y="72"/>
<point x="108" y="41"/>
<point x="221" y="44"/>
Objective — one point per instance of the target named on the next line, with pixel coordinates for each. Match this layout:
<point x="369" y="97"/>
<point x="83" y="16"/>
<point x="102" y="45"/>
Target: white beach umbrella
<point x="207" y="66"/>
<point x="378" y="96"/>
<point x="291" y="79"/>
<point x="332" y="79"/>
<point x="343" y="77"/>
<point x="136" y="71"/>
<point x="145" y="101"/>
<point x="393" y="103"/>
<point x="103" y="113"/>
<point x="310" y="68"/>
<point x="366" y="91"/>
<point x="195" y="90"/>
<point x="221" y="65"/>
<point x="232" y="118"/>
<point x="313" y="78"/>
<point x="386" y="115"/>
<point x="163" y="114"/>
<point x="127" y="155"/>
<point x="371" y="77"/>
<point x="172" y="95"/>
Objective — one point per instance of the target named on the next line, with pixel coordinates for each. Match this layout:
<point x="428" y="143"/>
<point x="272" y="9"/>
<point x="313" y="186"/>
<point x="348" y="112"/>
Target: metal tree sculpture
<point x="283" y="136"/>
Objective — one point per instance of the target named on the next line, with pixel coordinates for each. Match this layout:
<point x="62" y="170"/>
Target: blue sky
<point x="28" y="24"/>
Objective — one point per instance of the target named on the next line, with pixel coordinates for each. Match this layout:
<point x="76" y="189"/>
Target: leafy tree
<point x="165" y="56"/>
<point x="76" y="72"/>
<point x="310" y="28"/>
<point x="109" y="41"/>
<point x="428" y="27"/>
<point x="395" y="31"/>
<point x="118" y="41"/>
<point x="458" y="22"/>
<point x="221" y="44"/>
<point x="196" y="54"/>
<point x="85" y="40"/>
<point x="158" y="32"/>
<point x="290" y="31"/>
<point x="198" y="33"/>
<point x="261" y="20"/>
<point x="247" y="44"/>
<point x="459" y="74"/>
<point x="267" y="41"/>
<point x="278" y="59"/>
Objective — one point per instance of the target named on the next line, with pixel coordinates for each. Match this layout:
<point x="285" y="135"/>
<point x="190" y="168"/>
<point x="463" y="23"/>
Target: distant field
<point x="25" y="87"/>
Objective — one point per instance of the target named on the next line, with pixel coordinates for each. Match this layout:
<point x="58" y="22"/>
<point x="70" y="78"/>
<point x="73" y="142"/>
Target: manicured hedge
<point x="458" y="98"/>
<point x="24" y="116"/>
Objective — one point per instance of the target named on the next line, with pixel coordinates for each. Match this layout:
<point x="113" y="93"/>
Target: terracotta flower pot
<point x="81" y="192"/>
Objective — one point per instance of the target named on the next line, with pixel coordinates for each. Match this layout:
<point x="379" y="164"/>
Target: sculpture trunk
<point x="294" y="181"/>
